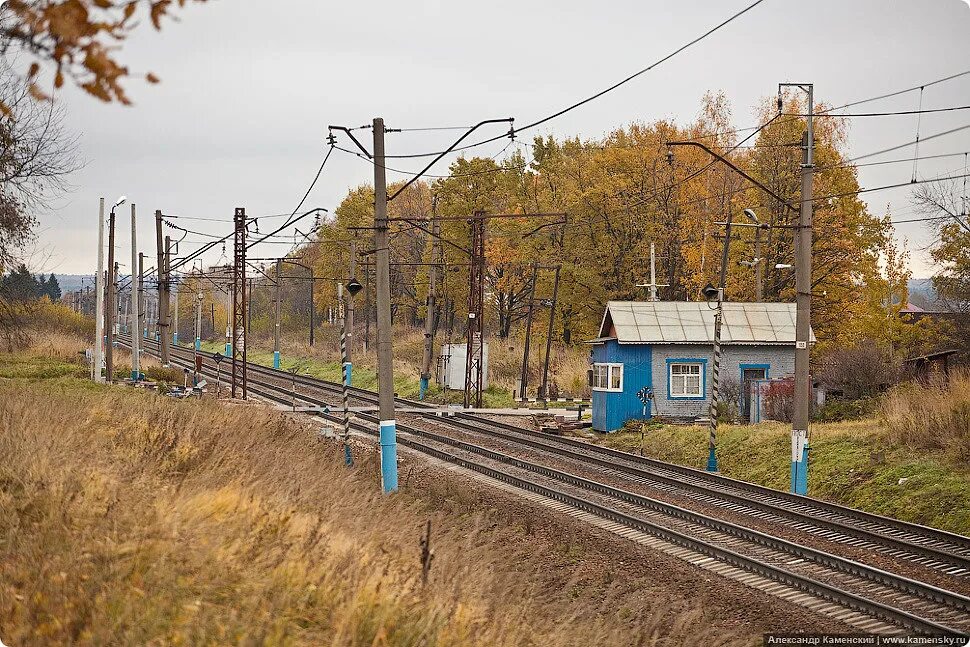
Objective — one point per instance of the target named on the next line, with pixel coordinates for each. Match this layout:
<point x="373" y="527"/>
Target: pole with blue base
<point x="799" y="464"/>
<point x="385" y="335"/>
<point x="389" y="455"/>
<point x="715" y="374"/>
<point x="276" y="314"/>
<point x="198" y="321"/>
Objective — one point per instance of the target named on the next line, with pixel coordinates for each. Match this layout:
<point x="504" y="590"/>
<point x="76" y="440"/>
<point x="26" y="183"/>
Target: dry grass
<point x="933" y="415"/>
<point x="567" y="364"/>
<point x="129" y="518"/>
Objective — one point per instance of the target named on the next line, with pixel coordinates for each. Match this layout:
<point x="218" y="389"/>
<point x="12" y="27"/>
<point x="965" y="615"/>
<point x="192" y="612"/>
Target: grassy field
<point x="869" y="464"/>
<point x="130" y="518"/>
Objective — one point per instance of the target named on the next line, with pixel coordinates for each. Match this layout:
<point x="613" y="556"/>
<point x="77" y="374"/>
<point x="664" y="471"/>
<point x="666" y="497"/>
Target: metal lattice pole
<point x="474" y="352"/>
<point x="239" y="304"/>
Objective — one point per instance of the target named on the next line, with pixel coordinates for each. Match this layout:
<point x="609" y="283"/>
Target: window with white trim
<point x="607" y="377"/>
<point x="686" y="380"/>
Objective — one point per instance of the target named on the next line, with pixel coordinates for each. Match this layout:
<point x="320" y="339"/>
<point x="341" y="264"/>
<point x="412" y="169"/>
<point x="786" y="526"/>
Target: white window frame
<point x="700" y="380"/>
<point x="611" y="369"/>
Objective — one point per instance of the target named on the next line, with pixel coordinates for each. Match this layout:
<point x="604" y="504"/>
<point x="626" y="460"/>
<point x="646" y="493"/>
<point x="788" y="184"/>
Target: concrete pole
<point x="198" y="321"/>
<point x="124" y="315"/>
<point x="276" y="315"/>
<point x="803" y="308"/>
<point x="552" y="319"/>
<point x="109" y="306"/>
<point x="135" y="354"/>
<point x="98" y="354"/>
<point x="161" y="265"/>
<point x="524" y="377"/>
<point x="653" y="271"/>
<point x="117" y="302"/>
<point x="349" y="326"/>
<point x="759" y="267"/>
<point x="313" y="310"/>
<point x="430" y="304"/>
<point x="142" y="316"/>
<point x="385" y="357"/>
<point x="175" y="330"/>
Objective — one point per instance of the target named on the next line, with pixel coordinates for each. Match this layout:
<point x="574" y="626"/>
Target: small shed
<point x="451" y="366"/>
<point x="654" y="358"/>
<point x="934" y="366"/>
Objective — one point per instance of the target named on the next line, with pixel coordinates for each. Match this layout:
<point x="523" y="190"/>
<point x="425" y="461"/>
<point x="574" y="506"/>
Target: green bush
<point x="839" y="410"/>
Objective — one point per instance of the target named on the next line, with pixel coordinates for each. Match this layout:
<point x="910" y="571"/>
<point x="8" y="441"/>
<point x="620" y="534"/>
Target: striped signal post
<point x="711" y="292"/>
<point x="715" y="381"/>
<point x="344" y="383"/>
<point x="98" y="350"/>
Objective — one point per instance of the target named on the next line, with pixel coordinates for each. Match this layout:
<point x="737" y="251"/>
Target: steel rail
<point x="841" y="597"/>
<point x="587" y="451"/>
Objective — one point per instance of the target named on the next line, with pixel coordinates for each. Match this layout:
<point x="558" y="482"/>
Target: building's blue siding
<point x="612" y="409"/>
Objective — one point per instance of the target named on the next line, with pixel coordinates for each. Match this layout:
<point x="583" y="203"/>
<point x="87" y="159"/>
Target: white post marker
<point x="135" y="357"/>
<point x="99" y="299"/>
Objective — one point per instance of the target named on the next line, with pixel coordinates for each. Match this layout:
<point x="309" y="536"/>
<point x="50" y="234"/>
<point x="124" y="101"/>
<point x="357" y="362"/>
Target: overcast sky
<point x="248" y="89"/>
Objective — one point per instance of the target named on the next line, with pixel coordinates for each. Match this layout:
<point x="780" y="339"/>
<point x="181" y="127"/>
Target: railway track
<point x="926" y="547"/>
<point x="856" y="593"/>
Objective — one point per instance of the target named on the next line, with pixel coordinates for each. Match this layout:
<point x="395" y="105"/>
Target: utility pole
<point x="349" y="326"/>
<point x="135" y="341"/>
<point x="653" y="285"/>
<point x="552" y="319"/>
<point x="430" y="305"/>
<point x="276" y="316"/>
<point x="366" y="306"/>
<point x="385" y="358"/>
<point x="141" y="317"/>
<point x="239" y="306"/>
<point x="198" y="321"/>
<point x="524" y="377"/>
<point x="475" y="345"/>
<point x="175" y="330"/>
<point x="803" y="304"/>
<point x="759" y="267"/>
<point x="109" y="309"/>
<point x="99" y="298"/>
<point x="161" y="272"/>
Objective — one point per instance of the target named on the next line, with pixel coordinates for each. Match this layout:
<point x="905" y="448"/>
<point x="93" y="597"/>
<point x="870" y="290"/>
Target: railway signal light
<point x="354" y="287"/>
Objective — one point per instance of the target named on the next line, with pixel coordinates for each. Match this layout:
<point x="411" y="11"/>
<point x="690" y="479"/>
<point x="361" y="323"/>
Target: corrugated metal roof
<point x="692" y="322"/>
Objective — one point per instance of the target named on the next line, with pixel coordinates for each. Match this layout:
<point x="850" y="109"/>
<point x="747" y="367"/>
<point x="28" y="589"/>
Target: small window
<point x="607" y="377"/>
<point x="686" y="381"/>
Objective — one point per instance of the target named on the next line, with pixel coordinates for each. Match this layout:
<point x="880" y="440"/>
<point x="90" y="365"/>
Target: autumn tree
<point x="77" y="40"/>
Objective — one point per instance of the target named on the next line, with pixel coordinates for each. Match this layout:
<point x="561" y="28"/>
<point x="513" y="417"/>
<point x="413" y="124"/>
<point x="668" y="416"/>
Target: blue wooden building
<point x="662" y="351"/>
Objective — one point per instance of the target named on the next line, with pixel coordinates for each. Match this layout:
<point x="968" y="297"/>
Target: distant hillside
<point x="71" y="282"/>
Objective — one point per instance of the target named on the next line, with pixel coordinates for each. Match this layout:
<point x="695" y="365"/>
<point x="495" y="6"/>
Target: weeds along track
<point x="859" y="594"/>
